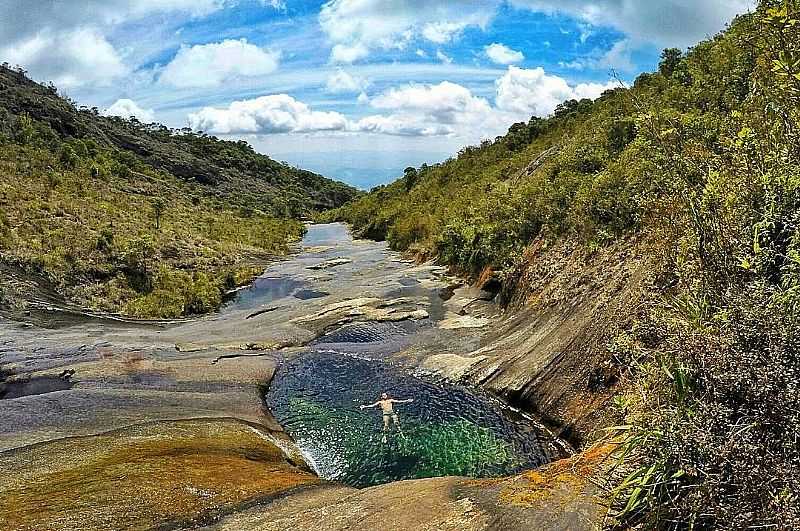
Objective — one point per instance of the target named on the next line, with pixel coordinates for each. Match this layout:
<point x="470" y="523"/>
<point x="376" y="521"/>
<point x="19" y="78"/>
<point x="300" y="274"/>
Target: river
<point x="318" y="334"/>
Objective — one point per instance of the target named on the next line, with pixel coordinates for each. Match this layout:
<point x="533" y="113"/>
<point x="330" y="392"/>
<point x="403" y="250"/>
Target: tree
<point x="410" y="177"/>
<point x="159" y="206"/>
<point x="138" y="255"/>
<point x="670" y="59"/>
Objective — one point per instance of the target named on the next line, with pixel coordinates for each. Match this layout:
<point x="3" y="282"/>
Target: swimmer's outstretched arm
<point x="403" y="401"/>
<point x="371" y="405"/>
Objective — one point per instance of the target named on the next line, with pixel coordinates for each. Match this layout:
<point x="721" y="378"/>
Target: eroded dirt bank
<point x="165" y="426"/>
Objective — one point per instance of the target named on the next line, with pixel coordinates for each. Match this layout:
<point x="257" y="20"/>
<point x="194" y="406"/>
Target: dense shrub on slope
<point x="133" y="218"/>
<point x="702" y="159"/>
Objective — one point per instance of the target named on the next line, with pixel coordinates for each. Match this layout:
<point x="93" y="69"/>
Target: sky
<point x="354" y="89"/>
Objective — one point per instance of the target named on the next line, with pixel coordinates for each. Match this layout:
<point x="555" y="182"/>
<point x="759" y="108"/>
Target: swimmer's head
<point x="384" y="396"/>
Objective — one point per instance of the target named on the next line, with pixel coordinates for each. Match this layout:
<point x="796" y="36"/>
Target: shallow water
<point x="447" y="430"/>
<point x="263" y="291"/>
<point x="308" y="294"/>
<point x="327" y="234"/>
<point x="34" y="386"/>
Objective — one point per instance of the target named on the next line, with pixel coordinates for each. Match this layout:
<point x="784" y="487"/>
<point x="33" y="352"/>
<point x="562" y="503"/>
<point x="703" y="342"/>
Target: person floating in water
<point x="387" y="405"/>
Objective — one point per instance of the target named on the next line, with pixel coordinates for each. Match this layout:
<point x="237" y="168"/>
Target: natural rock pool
<point x="446" y="431"/>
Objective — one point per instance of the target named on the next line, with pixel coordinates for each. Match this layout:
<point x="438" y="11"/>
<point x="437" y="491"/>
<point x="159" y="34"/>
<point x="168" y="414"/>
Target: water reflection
<point x="326" y="234"/>
<point x="263" y="291"/>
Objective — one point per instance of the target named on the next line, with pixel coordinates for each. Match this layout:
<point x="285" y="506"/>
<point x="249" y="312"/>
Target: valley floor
<point x="165" y="425"/>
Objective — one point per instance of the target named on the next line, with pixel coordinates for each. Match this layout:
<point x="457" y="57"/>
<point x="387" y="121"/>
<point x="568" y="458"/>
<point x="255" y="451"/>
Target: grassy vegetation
<point x="701" y="158"/>
<point x="123" y="217"/>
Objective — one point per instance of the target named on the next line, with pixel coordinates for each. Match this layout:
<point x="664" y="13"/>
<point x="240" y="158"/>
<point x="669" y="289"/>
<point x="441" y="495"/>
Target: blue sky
<point x="354" y="89"/>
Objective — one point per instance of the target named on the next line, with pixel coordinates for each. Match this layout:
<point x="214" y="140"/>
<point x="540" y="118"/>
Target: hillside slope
<point x="126" y="217"/>
<point x="646" y="247"/>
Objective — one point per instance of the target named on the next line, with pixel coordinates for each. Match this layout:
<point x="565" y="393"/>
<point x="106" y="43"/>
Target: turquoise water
<point x="447" y="430"/>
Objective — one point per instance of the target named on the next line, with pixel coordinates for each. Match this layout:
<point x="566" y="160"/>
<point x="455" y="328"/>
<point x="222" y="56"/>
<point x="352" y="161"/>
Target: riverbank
<point x="141" y="386"/>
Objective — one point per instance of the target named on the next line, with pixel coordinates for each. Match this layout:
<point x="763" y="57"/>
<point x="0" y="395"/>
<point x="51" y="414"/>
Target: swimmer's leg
<point x="385" y="426"/>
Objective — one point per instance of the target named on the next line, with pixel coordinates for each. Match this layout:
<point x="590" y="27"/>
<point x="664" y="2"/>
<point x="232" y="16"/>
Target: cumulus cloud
<point x="266" y="115"/>
<point x="342" y="53"/>
<point x="444" y="109"/>
<point x="401" y="125"/>
<point x="534" y="92"/>
<point x="126" y="108"/>
<point x="62" y="57"/>
<point x="503" y="55"/>
<point x="208" y="65"/>
<point x="64" y="43"/>
<point x="33" y="16"/>
<point x="452" y="109"/>
<point x="665" y="22"/>
<point x="445" y="103"/>
<point x="342" y="82"/>
<point x="357" y="26"/>
<point x="442" y="32"/>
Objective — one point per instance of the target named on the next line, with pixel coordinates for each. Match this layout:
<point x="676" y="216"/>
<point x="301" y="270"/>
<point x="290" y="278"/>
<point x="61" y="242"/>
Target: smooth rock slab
<point x="451" y="366"/>
<point x="145" y="476"/>
<point x="556" y="497"/>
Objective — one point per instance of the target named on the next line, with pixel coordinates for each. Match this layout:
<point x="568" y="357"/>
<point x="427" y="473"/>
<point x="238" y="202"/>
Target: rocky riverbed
<point x="110" y="425"/>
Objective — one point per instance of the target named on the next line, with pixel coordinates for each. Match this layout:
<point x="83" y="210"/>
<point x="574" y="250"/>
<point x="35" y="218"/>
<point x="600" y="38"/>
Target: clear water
<point x="446" y="431"/>
<point x="326" y="234"/>
<point x="263" y="291"/>
<point x="308" y="294"/>
<point x="34" y="386"/>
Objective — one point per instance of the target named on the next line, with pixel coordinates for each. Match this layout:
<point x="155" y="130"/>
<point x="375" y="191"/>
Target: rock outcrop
<point x="547" y="352"/>
<point x="557" y="497"/>
<point x="146" y="476"/>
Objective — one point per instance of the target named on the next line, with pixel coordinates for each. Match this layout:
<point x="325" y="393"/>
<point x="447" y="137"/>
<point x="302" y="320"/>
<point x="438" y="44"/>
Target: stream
<point x="448" y="430"/>
<point x="328" y="329"/>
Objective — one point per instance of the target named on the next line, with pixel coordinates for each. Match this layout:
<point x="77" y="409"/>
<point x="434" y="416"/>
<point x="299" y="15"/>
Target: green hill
<point x="120" y="216"/>
<point x="696" y="167"/>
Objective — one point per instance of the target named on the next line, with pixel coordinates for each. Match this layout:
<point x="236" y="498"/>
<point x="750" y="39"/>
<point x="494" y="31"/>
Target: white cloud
<point x="208" y="65"/>
<point x="445" y="103"/>
<point x="266" y="115"/>
<point x="31" y="17"/>
<point x="619" y="56"/>
<point x="401" y="125"/>
<point x="445" y="109"/>
<point x="126" y="108"/>
<point x="534" y="92"/>
<point x="66" y="42"/>
<point x="665" y="22"/>
<point x="342" y="53"/>
<point x="572" y="65"/>
<point x="446" y="59"/>
<point x="357" y="26"/>
<point x="442" y="32"/>
<point x="342" y="82"/>
<point x="69" y="59"/>
<point x="503" y="55"/>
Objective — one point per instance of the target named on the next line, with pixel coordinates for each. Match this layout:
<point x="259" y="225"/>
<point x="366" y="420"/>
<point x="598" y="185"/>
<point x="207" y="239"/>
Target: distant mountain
<point x="229" y="169"/>
<point x="121" y="216"/>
